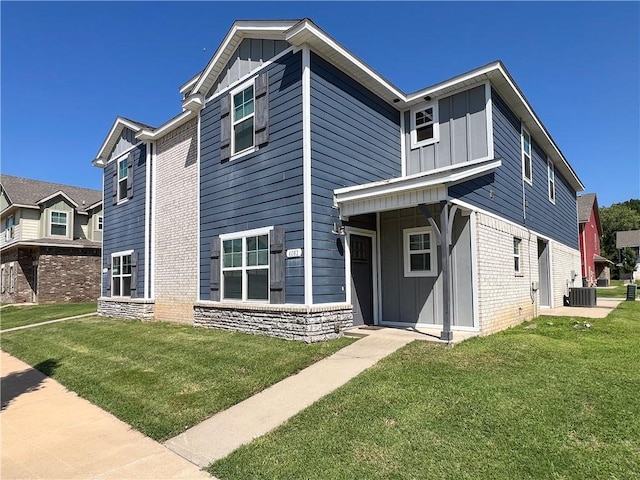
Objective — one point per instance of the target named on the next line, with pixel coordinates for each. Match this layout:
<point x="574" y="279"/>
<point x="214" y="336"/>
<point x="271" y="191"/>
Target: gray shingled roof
<point x="585" y="205"/>
<point x="25" y="191"/>
<point x="629" y="238"/>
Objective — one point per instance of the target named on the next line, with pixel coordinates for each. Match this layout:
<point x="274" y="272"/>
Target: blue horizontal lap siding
<point x="124" y="223"/>
<point x="260" y="189"/>
<point x="355" y="139"/>
<point x="558" y="221"/>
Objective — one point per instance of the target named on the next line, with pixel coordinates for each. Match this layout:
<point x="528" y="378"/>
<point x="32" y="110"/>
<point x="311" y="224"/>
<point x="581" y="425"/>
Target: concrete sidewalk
<point x="604" y="306"/>
<point x="221" y="434"/>
<point x="47" y="322"/>
<point x="49" y="432"/>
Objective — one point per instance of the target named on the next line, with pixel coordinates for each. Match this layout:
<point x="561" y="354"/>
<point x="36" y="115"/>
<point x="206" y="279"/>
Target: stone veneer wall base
<point x="292" y="322"/>
<point x="133" y="308"/>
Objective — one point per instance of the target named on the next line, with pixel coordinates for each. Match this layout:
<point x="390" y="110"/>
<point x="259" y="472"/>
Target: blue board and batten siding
<point x="500" y="192"/>
<point x="260" y="189"/>
<point x="354" y="140"/>
<point x="124" y="223"/>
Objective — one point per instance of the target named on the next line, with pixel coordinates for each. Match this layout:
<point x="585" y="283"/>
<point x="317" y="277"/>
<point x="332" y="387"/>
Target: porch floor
<point x="415" y="333"/>
<point x="604" y="306"/>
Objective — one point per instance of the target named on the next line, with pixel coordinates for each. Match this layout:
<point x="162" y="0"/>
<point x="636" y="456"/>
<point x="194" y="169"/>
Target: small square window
<point x="424" y="125"/>
<point x="419" y="254"/>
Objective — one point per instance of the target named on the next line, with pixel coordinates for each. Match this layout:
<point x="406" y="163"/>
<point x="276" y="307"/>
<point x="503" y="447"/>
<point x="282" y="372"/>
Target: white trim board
<point x="306" y="176"/>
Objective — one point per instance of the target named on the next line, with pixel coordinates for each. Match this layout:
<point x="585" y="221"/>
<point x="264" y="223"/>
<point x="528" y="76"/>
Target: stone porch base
<point x="293" y="322"/>
<point x="134" y="308"/>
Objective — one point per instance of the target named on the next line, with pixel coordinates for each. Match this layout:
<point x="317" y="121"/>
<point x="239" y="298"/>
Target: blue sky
<point x="68" y="69"/>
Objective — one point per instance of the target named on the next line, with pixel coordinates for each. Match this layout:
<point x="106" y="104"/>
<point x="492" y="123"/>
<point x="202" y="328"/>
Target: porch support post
<point x="443" y="238"/>
<point x="446" y="333"/>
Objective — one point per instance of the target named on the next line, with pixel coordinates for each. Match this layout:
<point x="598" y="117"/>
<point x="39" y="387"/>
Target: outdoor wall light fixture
<point x="338" y="230"/>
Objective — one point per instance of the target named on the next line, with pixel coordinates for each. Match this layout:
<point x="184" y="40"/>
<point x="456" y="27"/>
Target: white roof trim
<point x="175" y="122"/>
<point x="239" y="30"/>
<point x="110" y="141"/>
<point x="94" y="205"/>
<point x="53" y="195"/>
<point x="447" y="175"/>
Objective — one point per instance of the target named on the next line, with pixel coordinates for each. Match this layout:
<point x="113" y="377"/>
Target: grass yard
<point x="620" y="290"/>
<point x="559" y="401"/>
<point x="11" y="317"/>
<point x="161" y="378"/>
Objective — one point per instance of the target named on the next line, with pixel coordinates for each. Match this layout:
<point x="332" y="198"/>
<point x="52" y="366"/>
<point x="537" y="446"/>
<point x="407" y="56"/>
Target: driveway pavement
<point x="49" y="432"/>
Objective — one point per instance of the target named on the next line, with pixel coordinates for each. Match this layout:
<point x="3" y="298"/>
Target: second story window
<point x="527" y="172"/>
<point x="424" y="125"/>
<point x="99" y="223"/>
<point x="243" y="116"/>
<point x="9" y="232"/>
<point x="123" y="174"/>
<point x="59" y="223"/>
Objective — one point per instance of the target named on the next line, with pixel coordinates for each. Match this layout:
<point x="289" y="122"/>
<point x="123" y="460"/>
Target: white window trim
<point x="238" y="89"/>
<point x="436" y="124"/>
<point x="12" y="278"/>
<point x="518" y="255"/>
<point x="2" y="280"/>
<point x="51" y="234"/>
<point x="524" y="131"/>
<point x="433" y="251"/>
<point x="551" y="169"/>
<point x="99" y="224"/>
<point x="123" y="158"/>
<point x="243" y="235"/>
<point x="118" y="254"/>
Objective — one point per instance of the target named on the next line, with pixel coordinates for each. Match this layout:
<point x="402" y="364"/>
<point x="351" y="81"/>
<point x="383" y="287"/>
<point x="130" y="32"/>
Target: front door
<point x="361" y="279"/>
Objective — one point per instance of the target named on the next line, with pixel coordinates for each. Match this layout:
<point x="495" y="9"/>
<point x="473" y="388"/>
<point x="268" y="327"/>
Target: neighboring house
<point x="595" y="268"/>
<point x="51" y="241"/>
<point x="299" y="193"/>
<point x="630" y="239"/>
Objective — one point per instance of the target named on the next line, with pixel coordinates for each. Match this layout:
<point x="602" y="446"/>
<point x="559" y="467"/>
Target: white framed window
<point x="59" y="223"/>
<point x="10" y="223"/>
<point x="516" y="255"/>
<point x="424" y="125"/>
<point x="243" y="119"/>
<point x="99" y="223"/>
<point x="245" y="266"/>
<point x="419" y="252"/>
<point x="121" y="274"/>
<point x="123" y="175"/>
<point x="2" y="280"/>
<point x="551" y="176"/>
<point x="527" y="166"/>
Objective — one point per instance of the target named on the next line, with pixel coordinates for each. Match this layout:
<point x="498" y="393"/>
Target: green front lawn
<point x="161" y="378"/>
<point x="11" y="317"/>
<point x="620" y="290"/>
<point x="559" y="401"/>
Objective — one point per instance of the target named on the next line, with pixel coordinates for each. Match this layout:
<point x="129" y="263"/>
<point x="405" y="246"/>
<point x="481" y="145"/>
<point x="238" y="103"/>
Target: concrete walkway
<point x="221" y="434"/>
<point x="33" y="325"/>
<point x="604" y="306"/>
<point x="51" y="433"/>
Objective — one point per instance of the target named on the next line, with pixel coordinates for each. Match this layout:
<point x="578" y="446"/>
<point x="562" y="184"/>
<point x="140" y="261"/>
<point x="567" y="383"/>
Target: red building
<point x="595" y="270"/>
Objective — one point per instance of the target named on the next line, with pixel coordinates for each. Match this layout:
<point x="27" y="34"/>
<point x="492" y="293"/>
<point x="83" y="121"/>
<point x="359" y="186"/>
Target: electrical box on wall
<point x="534" y="286"/>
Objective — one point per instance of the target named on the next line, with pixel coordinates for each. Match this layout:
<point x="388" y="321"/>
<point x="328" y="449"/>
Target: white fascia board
<point x="162" y="130"/>
<point x="446" y="175"/>
<point x="94" y="205"/>
<point x="27" y="243"/>
<point x="58" y="193"/>
<point x="16" y="206"/>
<point x="120" y="122"/>
<point x="193" y="102"/>
<point x="307" y="32"/>
<point x="239" y="30"/>
<point x="185" y="87"/>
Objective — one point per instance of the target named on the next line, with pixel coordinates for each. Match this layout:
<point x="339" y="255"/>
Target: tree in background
<point x="619" y="217"/>
<point x="627" y="261"/>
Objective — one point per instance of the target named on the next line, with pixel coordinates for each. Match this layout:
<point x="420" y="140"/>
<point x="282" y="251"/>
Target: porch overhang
<point x="409" y="191"/>
<point x="598" y="259"/>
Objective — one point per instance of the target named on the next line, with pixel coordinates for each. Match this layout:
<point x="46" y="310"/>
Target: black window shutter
<point x="134" y="274"/>
<point x="225" y="128"/>
<point x="130" y="175"/>
<point x="115" y="185"/>
<point x="108" y="267"/>
<point x="215" y="269"/>
<point x="262" y="108"/>
<point x="276" y="265"/>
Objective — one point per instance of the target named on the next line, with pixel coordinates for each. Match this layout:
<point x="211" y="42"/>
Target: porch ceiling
<point x="409" y="191"/>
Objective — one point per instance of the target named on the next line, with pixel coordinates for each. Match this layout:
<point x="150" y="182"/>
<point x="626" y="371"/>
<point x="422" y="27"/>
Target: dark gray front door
<point x="361" y="279"/>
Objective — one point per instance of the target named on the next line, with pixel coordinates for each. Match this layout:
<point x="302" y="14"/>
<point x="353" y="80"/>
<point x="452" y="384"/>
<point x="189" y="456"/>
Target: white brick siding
<point x="176" y="239"/>
<point x="504" y="297"/>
